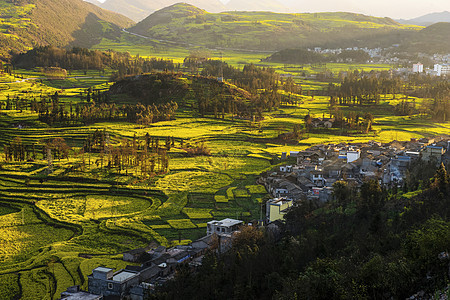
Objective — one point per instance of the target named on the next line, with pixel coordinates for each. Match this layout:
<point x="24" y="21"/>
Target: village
<point x="310" y="178"/>
<point x="155" y="266"/>
<point x="316" y="169"/>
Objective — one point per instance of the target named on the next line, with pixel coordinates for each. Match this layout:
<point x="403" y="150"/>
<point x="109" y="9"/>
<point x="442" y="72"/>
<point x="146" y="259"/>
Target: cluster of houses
<point x="438" y="70"/>
<point x="373" y="52"/>
<point x="158" y="265"/>
<point x="319" y="167"/>
<point x="391" y="55"/>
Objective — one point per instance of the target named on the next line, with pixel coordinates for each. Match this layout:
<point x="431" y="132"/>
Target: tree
<point x="369" y="119"/>
<point x="441" y="180"/>
<point x="308" y="121"/>
<point x="341" y="192"/>
<point x="371" y="195"/>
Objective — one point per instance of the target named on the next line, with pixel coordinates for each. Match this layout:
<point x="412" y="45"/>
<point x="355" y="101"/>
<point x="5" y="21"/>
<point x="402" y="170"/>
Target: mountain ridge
<point x="187" y="24"/>
<point x="59" y="23"/>
<point x="428" y="19"/>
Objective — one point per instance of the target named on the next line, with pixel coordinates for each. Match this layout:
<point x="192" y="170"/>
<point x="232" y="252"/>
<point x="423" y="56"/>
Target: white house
<point x="353" y="155"/>
<point x="281" y="191"/>
<point x="226" y="226"/>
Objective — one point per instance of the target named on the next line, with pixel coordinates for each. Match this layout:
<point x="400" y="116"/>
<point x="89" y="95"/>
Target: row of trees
<point x="54" y="112"/>
<point x="84" y="59"/>
<point x="148" y="157"/>
<point x="365" y="90"/>
<point x="17" y="151"/>
<point x="99" y="141"/>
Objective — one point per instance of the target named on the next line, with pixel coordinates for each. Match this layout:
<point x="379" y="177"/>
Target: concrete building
<point x="442" y="70"/>
<point x="103" y="281"/>
<point x="226" y="226"/>
<point x="433" y="153"/>
<point x="418" y="68"/>
<point x="353" y="155"/>
<point x="276" y="208"/>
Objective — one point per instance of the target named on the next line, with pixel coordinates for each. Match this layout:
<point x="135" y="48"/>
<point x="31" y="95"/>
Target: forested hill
<point x="266" y="30"/>
<point x="27" y="23"/>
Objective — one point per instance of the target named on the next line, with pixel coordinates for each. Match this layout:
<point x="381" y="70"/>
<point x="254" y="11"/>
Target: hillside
<point x="265" y="30"/>
<point x="58" y="23"/>
<point x="432" y="39"/>
<point x="137" y="10"/>
<point x="429" y="19"/>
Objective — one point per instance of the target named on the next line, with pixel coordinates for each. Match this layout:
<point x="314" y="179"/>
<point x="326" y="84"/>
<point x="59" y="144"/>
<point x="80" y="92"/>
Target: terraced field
<point x="55" y="230"/>
<point x="59" y="222"/>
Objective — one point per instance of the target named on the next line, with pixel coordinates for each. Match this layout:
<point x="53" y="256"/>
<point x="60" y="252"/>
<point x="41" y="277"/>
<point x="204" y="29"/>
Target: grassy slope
<point x="264" y="30"/>
<point x="432" y="39"/>
<point x="58" y="23"/>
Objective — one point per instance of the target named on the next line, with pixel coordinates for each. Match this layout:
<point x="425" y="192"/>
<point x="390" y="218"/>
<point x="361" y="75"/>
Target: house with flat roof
<point x="276" y="208"/>
<point x="226" y="226"/>
<point x="433" y="153"/>
<point x="103" y="281"/>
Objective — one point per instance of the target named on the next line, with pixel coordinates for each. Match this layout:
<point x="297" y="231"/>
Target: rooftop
<point x="80" y="296"/>
<point x="278" y="201"/>
<point x="103" y="269"/>
<point x="226" y="222"/>
<point x="123" y="276"/>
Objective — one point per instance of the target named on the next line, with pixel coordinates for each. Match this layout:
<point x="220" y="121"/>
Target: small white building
<point x="353" y="155"/>
<point x="278" y="192"/>
<point x="286" y="169"/>
<point x="226" y="226"/>
<point x="418" y="68"/>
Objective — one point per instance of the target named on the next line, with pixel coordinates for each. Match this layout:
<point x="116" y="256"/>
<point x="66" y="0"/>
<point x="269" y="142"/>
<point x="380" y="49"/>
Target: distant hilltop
<point x="138" y="10"/>
<point x="428" y="19"/>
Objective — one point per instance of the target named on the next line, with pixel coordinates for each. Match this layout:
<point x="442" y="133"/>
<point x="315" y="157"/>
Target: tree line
<point x="84" y="59"/>
<point x="56" y="112"/>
